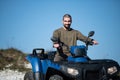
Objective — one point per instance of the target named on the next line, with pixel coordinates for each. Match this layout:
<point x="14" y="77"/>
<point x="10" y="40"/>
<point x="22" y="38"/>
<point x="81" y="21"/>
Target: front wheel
<point x="56" y="77"/>
<point x="29" y="76"/>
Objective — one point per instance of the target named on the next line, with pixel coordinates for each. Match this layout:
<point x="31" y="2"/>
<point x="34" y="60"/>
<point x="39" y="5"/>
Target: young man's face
<point x="67" y="22"/>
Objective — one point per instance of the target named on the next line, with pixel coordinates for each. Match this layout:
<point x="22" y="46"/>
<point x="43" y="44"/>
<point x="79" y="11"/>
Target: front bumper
<point x="90" y="71"/>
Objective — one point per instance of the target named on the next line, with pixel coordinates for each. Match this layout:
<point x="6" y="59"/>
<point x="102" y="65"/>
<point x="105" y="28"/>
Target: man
<point x="68" y="37"/>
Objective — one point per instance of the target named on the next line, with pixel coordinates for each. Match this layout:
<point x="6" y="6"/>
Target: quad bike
<point x="78" y="66"/>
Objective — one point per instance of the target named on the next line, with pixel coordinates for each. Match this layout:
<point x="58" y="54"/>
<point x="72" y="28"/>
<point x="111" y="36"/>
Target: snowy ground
<point x="11" y="75"/>
<point x="8" y="74"/>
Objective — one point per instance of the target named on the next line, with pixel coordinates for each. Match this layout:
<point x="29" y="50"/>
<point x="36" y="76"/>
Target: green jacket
<point x="69" y="37"/>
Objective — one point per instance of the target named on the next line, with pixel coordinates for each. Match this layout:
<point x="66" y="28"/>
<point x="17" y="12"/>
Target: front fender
<point x="35" y="62"/>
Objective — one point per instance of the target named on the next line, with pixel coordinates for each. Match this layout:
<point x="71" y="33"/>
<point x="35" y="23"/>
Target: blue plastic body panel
<point x="78" y="51"/>
<point x="39" y="65"/>
<point x="35" y="62"/>
<point x="81" y="47"/>
<point x="47" y="63"/>
<point x="78" y="59"/>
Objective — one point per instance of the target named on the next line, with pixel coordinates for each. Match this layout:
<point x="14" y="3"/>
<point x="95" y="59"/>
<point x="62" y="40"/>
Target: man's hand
<point x="95" y="42"/>
<point x="56" y="45"/>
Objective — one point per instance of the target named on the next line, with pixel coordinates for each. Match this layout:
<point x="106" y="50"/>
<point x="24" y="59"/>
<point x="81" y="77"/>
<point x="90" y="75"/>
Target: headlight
<point x="71" y="71"/>
<point x="112" y="70"/>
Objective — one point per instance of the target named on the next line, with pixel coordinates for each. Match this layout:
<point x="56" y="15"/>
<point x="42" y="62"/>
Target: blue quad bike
<point x="78" y="66"/>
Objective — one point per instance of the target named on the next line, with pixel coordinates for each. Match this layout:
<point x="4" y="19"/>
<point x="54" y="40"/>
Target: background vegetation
<point x="12" y="58"/>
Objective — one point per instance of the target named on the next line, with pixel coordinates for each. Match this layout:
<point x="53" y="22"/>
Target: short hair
<point x="67" y="15"/>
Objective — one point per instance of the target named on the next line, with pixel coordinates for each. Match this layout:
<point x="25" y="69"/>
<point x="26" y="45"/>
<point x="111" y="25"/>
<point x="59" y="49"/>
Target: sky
<point x="29" y="24"/>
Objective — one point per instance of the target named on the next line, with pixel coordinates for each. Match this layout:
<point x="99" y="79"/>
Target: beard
<point x="67" y="26"/>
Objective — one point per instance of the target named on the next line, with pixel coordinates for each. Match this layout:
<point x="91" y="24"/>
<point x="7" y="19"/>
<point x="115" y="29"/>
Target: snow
<point x="8" y="74"/>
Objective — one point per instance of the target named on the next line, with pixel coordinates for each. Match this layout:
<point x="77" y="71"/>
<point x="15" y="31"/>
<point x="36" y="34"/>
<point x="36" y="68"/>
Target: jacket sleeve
<point x="81" y="37"/>
<point x="56" y="34"/>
